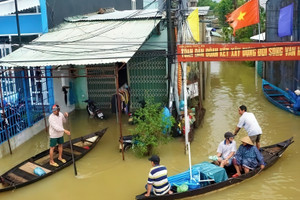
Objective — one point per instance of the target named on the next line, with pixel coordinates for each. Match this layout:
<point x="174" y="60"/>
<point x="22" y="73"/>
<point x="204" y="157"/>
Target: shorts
<point x="229" y="161"/>
<point x="54" y="141"/>
<point x="255" y="138"/>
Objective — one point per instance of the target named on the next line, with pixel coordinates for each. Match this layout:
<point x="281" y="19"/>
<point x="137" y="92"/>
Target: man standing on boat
<point x="158" y="178"/>
<point x="249" y="122"/>
<point x="56" y="132"/>
<point x="226" y="150"/>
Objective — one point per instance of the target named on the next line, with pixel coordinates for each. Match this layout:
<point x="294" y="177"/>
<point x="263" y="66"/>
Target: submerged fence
<point x="25" y="97"/>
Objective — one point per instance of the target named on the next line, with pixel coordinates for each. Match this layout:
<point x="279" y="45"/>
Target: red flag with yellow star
<point x="243" y="16"/>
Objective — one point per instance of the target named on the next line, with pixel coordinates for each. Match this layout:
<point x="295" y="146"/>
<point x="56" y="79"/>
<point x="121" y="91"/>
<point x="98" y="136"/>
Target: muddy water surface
<point x="102" y="174"/>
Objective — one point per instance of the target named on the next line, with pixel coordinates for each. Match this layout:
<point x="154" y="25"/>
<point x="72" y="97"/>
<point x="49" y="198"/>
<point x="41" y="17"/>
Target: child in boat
<point x="247" y="157"/>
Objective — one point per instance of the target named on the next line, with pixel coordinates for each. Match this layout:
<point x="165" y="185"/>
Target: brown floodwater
<point x="102" y="174"/>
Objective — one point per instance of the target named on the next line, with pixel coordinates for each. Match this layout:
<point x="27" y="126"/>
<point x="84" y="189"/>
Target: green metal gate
<point x="101" y="88"/>
<point x="147" y="72"/>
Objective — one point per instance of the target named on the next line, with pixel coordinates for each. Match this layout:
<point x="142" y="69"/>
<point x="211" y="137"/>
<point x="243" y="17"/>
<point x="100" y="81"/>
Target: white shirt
<point x="225" y="149"/>
<point x="56" y="128"/>
<point x="250" y="124"/>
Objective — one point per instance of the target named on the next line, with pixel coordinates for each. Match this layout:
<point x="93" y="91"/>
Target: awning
<point x="260" y="37"/>
<point x="84" y="43"/>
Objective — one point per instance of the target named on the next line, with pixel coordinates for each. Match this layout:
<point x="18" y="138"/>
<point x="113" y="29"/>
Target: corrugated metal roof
<point x="84" y="43"/>
<point x="117" y="15"/>
<point x="8" y="7"/>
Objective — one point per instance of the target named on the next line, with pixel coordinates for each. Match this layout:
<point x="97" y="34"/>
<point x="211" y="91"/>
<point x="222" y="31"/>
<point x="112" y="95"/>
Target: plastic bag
<point x="39" y="171"/>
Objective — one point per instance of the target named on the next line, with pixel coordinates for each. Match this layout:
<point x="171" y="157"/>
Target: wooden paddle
<point x="71" y="146"/>
<point x="75" y="170"/>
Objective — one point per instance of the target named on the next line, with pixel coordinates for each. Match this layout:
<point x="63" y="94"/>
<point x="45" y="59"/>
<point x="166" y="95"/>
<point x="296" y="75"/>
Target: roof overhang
<point x="260" y="37"/>
<point x="84" y="43"/>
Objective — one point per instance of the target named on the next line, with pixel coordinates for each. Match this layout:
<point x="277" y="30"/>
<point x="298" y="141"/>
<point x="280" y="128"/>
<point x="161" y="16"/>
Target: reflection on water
<point x="102" y="174"/>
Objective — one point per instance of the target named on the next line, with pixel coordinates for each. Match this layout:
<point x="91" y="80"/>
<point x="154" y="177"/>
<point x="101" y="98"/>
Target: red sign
<point x="239" y="52"/>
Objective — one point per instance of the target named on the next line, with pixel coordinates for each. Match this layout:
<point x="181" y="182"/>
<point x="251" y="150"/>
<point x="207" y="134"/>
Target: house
<point x="89" y="56"/>
<point x="282" y="73"/>
<point x="32" y="18"/>
<point x="79" y="60"/>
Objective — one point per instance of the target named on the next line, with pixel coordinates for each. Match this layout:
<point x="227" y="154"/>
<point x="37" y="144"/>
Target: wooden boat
<point x="23" y="174"/>
<point x="278" y="97"/>
<point x="270" y="153"/>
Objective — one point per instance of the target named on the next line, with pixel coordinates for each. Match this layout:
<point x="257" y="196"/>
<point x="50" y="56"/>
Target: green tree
<point x="152" y="128"/>
<point x="222" y="9"/>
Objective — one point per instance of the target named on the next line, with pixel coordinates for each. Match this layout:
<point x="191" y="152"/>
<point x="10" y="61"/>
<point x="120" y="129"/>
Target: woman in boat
<point x="296" y="96"/>
<point x="247" y="157"/>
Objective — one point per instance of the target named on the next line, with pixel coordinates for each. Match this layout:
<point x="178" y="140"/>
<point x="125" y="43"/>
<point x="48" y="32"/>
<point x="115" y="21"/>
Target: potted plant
<point x="152" y="128"/>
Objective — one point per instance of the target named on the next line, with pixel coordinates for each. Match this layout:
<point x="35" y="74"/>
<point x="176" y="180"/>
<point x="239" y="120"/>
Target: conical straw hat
<point x="247" y="140"/>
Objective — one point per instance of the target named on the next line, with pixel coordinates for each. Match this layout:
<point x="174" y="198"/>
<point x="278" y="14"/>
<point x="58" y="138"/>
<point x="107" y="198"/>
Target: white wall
<point x="58" y="92"/>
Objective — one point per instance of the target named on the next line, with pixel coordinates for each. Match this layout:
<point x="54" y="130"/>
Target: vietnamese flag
<point x="243" y="16"/>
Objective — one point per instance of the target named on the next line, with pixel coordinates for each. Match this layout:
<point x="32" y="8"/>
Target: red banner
<point x="239" y="52"/>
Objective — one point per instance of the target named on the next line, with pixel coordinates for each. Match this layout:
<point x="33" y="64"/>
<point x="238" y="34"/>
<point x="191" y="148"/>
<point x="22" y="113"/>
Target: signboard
<point x="274" y="51"/>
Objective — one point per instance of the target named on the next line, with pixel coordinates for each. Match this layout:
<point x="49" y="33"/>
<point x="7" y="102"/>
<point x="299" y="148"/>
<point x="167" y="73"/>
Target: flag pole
<point x="186" y="118"/>
<point x="258" y="21"/>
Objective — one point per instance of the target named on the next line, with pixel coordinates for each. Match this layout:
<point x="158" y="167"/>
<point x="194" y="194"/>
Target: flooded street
<point x="102" y="174"/>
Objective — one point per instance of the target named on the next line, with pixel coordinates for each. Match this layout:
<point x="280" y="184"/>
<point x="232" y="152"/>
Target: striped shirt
<point x="158" y="178"/>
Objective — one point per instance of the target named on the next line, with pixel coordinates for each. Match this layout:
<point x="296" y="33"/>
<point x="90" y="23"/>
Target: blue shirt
<point x="249" y="156"/>
<point x="296" y="98"/>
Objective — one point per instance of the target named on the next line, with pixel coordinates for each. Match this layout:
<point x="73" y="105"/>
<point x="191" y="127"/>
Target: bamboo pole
<point x="119" y="108"/>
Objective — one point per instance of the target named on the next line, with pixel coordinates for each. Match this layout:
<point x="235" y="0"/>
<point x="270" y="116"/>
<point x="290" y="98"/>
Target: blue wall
<point x="34" y="23"/>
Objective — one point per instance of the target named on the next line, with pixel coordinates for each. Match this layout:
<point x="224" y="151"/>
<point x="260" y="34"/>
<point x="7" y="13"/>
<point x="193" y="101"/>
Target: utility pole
<point x="171" y="38"/>
<point x="18" y="24"/>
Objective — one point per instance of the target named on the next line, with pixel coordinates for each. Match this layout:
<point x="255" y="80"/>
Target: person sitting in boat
<point x="247" y="157"/>
<point x="226" y="150"/>
<point x="296" y="96"/>
<point x="158" y="178"/>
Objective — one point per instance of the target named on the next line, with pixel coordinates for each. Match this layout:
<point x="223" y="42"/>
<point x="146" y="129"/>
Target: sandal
<point x="235" y="175"/>
<point x="54" y="164"/>
<point x="62" y="160"/>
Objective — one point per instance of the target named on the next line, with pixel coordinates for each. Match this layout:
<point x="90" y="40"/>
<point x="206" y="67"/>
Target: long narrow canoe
<point x="23" y="174"/>
<point x="278" y="97"/>
<point x="270" y="153"/>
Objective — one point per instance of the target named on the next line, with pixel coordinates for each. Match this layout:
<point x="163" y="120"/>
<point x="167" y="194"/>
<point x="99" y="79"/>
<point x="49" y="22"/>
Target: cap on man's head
<point x="155" y="159"/>
<point x="55" y="107"/>
<point x="228" y="135"/>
